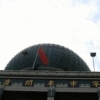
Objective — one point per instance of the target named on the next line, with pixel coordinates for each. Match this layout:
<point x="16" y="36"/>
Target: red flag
<point x="43" y="56"/>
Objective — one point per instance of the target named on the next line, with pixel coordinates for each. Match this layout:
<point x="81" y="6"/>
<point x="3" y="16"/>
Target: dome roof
<point x="58" y="57"/>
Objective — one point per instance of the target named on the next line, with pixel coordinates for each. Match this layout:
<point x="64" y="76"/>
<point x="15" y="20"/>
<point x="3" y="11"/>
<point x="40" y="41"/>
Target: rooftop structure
<point x="58" y="57"/>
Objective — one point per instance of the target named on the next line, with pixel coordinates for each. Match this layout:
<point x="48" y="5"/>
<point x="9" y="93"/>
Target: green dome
<point x="58" y="57"/>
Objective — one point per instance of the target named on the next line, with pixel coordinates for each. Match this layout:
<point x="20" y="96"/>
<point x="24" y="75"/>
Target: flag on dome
<point x="43" y="56"/>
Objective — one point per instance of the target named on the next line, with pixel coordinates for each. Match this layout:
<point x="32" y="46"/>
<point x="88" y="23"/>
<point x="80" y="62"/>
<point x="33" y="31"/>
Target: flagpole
<point x="35" y="59"/>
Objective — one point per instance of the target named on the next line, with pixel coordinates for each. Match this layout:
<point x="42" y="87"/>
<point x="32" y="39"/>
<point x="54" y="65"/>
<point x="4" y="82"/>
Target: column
<point x="51" y="94"/>
<point x="1" y="90"/>
<point x="98" y="93"/>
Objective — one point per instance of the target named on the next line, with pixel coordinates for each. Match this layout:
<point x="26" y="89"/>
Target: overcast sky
<point x="74" y="24"/>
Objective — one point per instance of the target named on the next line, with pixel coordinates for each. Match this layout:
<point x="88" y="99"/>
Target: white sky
<point x="72" y="23"/>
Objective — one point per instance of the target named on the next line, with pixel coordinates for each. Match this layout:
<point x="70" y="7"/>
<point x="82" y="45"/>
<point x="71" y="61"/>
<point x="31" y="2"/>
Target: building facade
<point x="48" y="72"/>
<point x="49" y="85"/>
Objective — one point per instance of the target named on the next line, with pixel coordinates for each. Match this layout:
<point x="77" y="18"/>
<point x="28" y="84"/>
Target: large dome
<point x="58" y="57"/>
